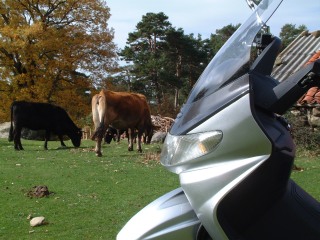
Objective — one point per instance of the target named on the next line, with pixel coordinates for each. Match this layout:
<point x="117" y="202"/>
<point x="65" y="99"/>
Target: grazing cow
<point x="42" y="116"/>
<point x="112" y="133"/>
<point x="122" y="110"/>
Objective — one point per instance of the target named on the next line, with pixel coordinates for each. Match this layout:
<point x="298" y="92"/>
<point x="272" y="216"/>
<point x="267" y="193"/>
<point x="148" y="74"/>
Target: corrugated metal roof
<point x="293" y="57"/>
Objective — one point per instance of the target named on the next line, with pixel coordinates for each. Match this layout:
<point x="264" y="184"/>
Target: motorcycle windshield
<point x="231" y="62"/>
<point x="234" y="55"/>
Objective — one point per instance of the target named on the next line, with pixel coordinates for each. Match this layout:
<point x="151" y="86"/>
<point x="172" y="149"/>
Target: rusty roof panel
<point x="293" y="57"/>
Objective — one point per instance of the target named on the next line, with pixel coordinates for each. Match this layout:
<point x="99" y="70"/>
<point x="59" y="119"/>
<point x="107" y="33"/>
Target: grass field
<point x="309" y="175"/>
<point x="91" y="198"/>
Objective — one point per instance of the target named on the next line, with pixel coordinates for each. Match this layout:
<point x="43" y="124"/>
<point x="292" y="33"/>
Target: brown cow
<point x="122" y="110"/>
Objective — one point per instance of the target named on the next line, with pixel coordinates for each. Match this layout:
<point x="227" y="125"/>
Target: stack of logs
<point x="163" y="123"/>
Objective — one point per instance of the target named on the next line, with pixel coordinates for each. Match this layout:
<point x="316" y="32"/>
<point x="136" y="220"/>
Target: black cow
<point x="112" y="133"/>
<point x="42" y="116"/>
<point x="115" y="134"/>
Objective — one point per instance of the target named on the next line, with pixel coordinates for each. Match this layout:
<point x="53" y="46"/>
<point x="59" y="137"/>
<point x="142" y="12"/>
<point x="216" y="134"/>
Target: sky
<point x="206" y="16"/>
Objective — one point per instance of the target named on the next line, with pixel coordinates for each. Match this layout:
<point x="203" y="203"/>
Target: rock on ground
<point x="158" y="137"/>
<point x="37" y="221"/>
<point x="4" y="129"/>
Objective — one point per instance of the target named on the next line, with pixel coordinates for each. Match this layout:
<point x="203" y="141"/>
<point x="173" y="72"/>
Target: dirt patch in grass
<point x="39" y="192"/>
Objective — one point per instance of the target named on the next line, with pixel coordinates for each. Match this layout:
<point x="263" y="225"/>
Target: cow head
<point x="76" y="138"/>
<point x="110" y="134"/>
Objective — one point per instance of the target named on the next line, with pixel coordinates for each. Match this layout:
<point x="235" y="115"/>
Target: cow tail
<point x="10" y="137"/>
<point x="100" y="130"/>
<point x="99" y="133"/>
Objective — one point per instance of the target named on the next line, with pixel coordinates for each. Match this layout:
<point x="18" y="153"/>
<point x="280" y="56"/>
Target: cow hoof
<point x="99" y="154"/>
<point x="130" y="148"/>
<point x="139" y="150"/>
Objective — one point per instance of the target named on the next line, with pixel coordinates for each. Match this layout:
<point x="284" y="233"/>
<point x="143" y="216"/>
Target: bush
<point x="305" y="136"/>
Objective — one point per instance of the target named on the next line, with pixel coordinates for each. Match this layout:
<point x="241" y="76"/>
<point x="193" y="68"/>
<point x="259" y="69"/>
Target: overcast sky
<point x="206" y="16"/>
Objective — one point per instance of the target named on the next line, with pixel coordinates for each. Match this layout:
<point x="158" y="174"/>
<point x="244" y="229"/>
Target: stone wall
<point x="313" y="115"/>
<point x="27" y="133"/>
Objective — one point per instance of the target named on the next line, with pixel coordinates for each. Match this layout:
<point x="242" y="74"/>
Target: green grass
<point x="309" y="175"/>
<point x="92" y="197"/>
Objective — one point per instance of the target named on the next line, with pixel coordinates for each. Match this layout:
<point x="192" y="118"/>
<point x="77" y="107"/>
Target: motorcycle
<point x="233" y="151"/>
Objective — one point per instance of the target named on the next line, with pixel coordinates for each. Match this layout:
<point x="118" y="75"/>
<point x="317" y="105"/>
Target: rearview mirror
<point x="253" y="3"/>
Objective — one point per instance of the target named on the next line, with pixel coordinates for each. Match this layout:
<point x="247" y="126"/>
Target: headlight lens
<point x="179" y="149"/>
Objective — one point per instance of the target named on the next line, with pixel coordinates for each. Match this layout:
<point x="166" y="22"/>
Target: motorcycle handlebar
<point x="290" y="90"/>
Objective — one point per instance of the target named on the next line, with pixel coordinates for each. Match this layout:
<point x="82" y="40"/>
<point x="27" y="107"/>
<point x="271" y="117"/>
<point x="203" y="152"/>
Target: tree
<point x="164" y="60"/>
<point x="221" y="36"/>
<point x="187" y="56"/>
<point x="54" y="50"/>
<point x="145" y="49"/>
<point x="289" y="32"/>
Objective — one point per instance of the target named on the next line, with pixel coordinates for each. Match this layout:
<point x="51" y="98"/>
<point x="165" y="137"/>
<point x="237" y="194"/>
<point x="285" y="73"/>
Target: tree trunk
<point x="176" y="99"/>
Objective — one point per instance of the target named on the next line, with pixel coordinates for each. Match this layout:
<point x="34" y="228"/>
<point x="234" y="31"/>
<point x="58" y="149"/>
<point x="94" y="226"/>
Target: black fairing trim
<point x="290" y="90"/>
<point x="295" y="216"/>
<point x="279" y="97"/>
<point x="264" y="63"/>
<point x="267" y="204"/>
<point x="254" y="197"/>
<point x="192" y="115"/>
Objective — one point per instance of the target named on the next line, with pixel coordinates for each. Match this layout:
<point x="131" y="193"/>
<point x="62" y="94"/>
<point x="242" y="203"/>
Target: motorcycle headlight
<point x="179" y="149"/>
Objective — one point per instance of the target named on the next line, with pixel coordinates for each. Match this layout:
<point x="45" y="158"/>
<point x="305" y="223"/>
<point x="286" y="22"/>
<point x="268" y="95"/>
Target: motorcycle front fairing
<point x="216" y="91"/>
<point x="238" y="187"/>
<point x="223" y="135"/>
<point x="221" y="101"/>
<point x="158" y="222"/>
<point x="168" y="217"/>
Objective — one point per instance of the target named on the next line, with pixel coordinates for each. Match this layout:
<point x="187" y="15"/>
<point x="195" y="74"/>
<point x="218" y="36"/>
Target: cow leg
<point x="118" y="135"/>
<point x="17" y="138"/>
<point x="134" y="137"/>
<point x="98" y="147"/>
<point x="61" y="141"/>
<point x="46" y="139"/>
<point x="98" y="136"/>
<point x="130" y="139"/>
<point x="148" y="135"/>
<point x="19" y="144"/>
<point x="139" y="141"/>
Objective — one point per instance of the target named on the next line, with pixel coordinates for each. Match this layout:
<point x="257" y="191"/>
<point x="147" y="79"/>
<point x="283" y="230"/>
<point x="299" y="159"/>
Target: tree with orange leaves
<point x="53" y="51"/>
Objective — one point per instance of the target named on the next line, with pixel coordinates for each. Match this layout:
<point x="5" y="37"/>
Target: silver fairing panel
<point x="168" y="217"/>
<point x="215" y="174"/>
